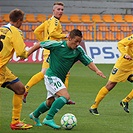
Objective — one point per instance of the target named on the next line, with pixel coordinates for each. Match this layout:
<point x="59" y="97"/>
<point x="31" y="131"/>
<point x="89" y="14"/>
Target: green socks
<point x="41" y="109"/>
<point x="56" y="106"/>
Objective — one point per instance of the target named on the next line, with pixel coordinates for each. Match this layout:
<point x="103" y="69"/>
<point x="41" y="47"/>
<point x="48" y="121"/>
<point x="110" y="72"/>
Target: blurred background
<point x="99" y="20"/>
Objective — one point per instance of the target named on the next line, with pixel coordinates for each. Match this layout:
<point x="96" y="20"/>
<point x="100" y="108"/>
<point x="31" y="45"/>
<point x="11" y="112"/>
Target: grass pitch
<point x="83" y="87"/>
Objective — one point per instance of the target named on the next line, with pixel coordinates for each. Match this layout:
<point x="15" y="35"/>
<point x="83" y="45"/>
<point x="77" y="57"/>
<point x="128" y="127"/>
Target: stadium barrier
<point x="100" y="52"/>
<point x="95" y="27"/>
<point x="91" y="31"/>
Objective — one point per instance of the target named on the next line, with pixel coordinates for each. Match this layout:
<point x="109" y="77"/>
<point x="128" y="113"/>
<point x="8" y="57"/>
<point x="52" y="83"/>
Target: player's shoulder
<point x="126" y="39"/>
<point x="130" y="37"/>
<point x="10" y="27"/>
<point x="80" y="47"/>
<point x="16" y="30"/>
<point x="53" y="42"/>
<point x="54" y="20"/>
<point x="45" y="22"/>
<point x="59" y="43"/>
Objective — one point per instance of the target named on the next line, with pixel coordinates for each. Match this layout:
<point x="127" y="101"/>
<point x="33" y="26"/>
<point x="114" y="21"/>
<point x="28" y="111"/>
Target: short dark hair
<point x="75" y="32"/>
<point x="16" y="14"/>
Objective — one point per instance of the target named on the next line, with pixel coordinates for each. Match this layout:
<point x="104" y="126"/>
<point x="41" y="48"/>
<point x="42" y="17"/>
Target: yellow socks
<point x="67" y="80"/>
<point x="17" y="106"/>
<point x="101" y="94"/>
<point x="128" y="97"/>
<point x="34" y="80"/>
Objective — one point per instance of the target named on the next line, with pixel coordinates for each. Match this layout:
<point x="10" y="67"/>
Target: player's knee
<point x="110" y="85"/>
<point x="43" y="70"/>
<point x="130" y="78"/>
<point x="67" y="96"/>
<point x="20" y="91"/>
<point x="50" y="101"/>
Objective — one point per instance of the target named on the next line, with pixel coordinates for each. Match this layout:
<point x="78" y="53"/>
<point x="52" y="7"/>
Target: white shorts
<point x="53" y="85"/>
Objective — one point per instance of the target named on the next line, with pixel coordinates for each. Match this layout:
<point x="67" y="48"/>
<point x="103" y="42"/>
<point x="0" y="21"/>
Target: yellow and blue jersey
<point x="12" y="40"/>
<point x="51" y="29"/>
<point x="125" y="47"/>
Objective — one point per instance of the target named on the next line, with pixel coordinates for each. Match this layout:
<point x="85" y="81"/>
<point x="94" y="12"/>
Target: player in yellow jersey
<point x="122" y="71"/>
<point x="11" y="40"/>
<point x="51" y="29"/>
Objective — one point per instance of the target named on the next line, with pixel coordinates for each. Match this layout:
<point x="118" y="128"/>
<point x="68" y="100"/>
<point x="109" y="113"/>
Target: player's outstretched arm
<point x="94" y="68"/>
<point x="34" y="48"/>
<point x="31" y="50"/>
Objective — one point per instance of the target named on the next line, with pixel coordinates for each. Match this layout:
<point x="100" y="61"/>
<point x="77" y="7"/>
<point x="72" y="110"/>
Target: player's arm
<point x="54" y="32"/>
<point x="122" y="46"/>
<point x="94" y="68"/>
<point x="18" y="43"/>
<point x="34" y="48"/>
<point x="44" y="44"/>
<point x="39" y="32"/>
<point x="87" y="61"/>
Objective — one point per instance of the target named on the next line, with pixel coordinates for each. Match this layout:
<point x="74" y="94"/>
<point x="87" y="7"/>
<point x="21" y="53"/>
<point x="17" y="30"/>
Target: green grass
<point x="83" y="87"/>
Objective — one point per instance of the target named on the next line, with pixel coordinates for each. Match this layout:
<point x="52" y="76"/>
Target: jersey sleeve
<point x="83" y="57"/>
<point x="123" y="43"/>
<point x="49" y="44"/>
<point x="39" y="32"/>
<point x="55" y="30"/>
<point x="18" y="43"/>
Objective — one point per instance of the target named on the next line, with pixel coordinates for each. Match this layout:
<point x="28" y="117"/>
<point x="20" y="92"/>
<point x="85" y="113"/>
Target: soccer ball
<point x="68" y="121"/>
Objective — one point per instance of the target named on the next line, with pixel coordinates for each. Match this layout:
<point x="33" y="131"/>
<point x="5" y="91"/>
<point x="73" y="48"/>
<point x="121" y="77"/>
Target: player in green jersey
<point x="63" y="55"/>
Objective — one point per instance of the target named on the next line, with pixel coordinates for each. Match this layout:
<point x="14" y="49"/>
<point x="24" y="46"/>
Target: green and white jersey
<point x="62" y="58"/>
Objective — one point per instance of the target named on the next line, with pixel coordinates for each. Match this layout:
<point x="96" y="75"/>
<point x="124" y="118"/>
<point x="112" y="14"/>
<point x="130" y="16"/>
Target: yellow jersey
<point x="51" y="29"/>
<point x="12" y="40"/>
<point x="125" y="47"/>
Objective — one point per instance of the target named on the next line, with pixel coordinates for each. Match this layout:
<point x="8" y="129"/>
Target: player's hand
<point x="67" y="35"/>
<point x="128" y="57"/>
<point x="100" y="73"/>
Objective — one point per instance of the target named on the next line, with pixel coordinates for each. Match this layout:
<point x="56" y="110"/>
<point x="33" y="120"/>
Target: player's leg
<point x="34" y="80"/>
<point x="104" y="91"/>
<point x="39" y="76"/>
<point x="61" y="99"/>
<point x="100" y="96"/>
<point x="66" y="84"/>
<point x="56" y="106"/>
<point x="67" y="80"/>
<point x="13" y="83"/>
<point x="16" y="124"/>
<point x="129" y="97"/>
<point x="115" y="77"/>
<point x="42" y="108"/>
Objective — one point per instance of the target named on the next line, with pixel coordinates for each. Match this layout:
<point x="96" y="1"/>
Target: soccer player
<point x="51" y="29"/>
<point x="63" y="55"/>
<point x="11" y="40"/>
<point x="122" y="71"/>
